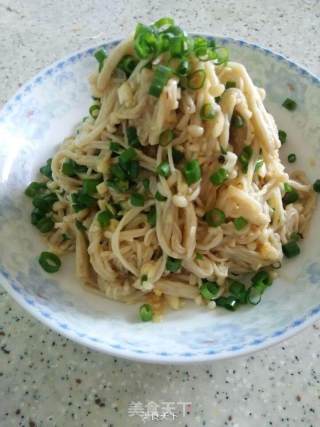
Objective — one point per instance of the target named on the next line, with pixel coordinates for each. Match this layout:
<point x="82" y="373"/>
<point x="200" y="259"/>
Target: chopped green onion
<point x="36" y="216"/>
<point x="163" y="23"/>
<point x="146" y="184"/>
<point x="152" y="216"/>
<point x="177" y="155"/>
<point x="292" y="158"/>
<point x="127" y="64"/>
<point x="207" y="112"/>
<point x="290" y="196"/>
<point x="192" y="171"/>
<point x="104" y="218"/>
<point x="245" y="157"/>
<point x="237" y="120"/>
<point x="50" y="262"/>
<point x="158" y="196"/>
<point x="295" y="236"/>
<point x="200" y="47"/>
<point x="289" y="104"/>
<point x="230" y="84"/>
<point x="258" y="165"/>
<point x="253" y="295"/>
<point x="82" y="201"/>
<point x="94" y="111"/>
<point x="35" y="188"/>
<point x="291" y="249"/>
<point x="219" y="177"/>
<point x="173" y="264"/>
<point x="117" y="171"/>
<point x="215" y="217"/>
<point x="282" y="136"/>
<point x="45" y="224"/>
<point x="164" y="169"/>
<point x="144" y="278"/>
<point x="166" y="137"/>
<point x="209" y="290"/>
<point x="90" y="186"/>
<point x="44" y="202"/>
<point x="222" y="56"/>
<point x="119" y="185"/>
<point x="162" y="74"/>
<point x="116" y="148"/>
<point x="137" y="199"/>
<point x="199" y="256"/>
<point x="46" y="170"/>
<point x="196" y="79"/>
<point x="100" y="56"/>
<point x="146" y="312"/>
<point x="71" y="168"/>
<point x="127" y="155"/>
<point x="146" y="42"/>
<point x="240" y="223"/>
<point x="238" y="290"/>
<point x="183" y="68"/>
<point x="316" y="186"/>
<point x="229" y="303"/>
<point x="65" y="237"/>
<point x="133" y="169"/>
<point x="133" y="139"/>
<point x="261" y="280"/>
<point x="80" y="226"/>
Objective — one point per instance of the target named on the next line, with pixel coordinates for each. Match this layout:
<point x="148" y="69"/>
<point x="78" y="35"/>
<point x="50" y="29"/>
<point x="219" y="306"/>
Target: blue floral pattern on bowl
<point x="36" y="120"/>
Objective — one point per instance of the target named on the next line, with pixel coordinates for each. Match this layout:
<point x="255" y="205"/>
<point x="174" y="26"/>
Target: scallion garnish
<point x="164" y="169"/>
<point x="192" y="171"/>
<point x="230" y="84"/>
<point x="104" y="218"/>
<point x="196" y="79"/>
<point x="316" y="186"/>
<point x="50" y="262"/>
<point x="207" y="112"/>
<point x="162" y="74"/>
<point x="45" y="224"/>
<point x="35" y="188"/>
<point x="146" y="184"/>
<point x="245" y="157"/>
<point x="258" y="165"/>
<point x="116" y="148"/>
<point x="292" y="158"/>
<point x="90" y="186"/>
<point x="237" y="120"/>
<point x="229" y="303"/>
<point x="238" y="290"/>
<point x="158" y="196"/>
<point x="82" y="201"/>
<point x="133" y="139"/>
<point x="133" y="169"/>
<point x="282" y="136"/>
<point x="46" y="170"/>
<point x="166" y="137"/>
<point x="219" y="177"/>
<point x="146" y="312"/>
<point x="289" y="104"/>
<point x="94" y="110"/>
<point x="137" y="199"/>
<point x="215" y="217"/>
<point x="240" y="223"/>
<point x="44" y="202"/>
<point x="127" y="155"/>
<point x="127" y="64"/>
<point x="71" y="168"/>
<point x="100" y="56"/>
<point x="291" y="249"/>
<point x="208" y="289"/>
<point x="152" y="216"/>
<point x="177" y="155"/>
<point x="173" y="264"/>
<point x="290" y="196"/>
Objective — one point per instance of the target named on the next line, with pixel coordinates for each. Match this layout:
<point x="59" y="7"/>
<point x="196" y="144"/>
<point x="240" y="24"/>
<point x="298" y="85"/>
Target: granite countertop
<point x="46" y="380"/>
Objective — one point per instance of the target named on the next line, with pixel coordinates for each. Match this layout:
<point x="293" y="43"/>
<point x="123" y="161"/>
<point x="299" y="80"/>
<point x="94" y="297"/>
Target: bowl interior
<point x="37" y="119"/>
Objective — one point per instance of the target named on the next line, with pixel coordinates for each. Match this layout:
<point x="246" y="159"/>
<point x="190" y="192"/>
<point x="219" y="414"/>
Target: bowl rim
<point x="138" y="355"/>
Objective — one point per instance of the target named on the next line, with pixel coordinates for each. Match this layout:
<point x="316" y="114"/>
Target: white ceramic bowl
<point x="36" y="120"/>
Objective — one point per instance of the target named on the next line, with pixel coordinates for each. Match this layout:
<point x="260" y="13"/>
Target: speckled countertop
<point x="46" y="380"/>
